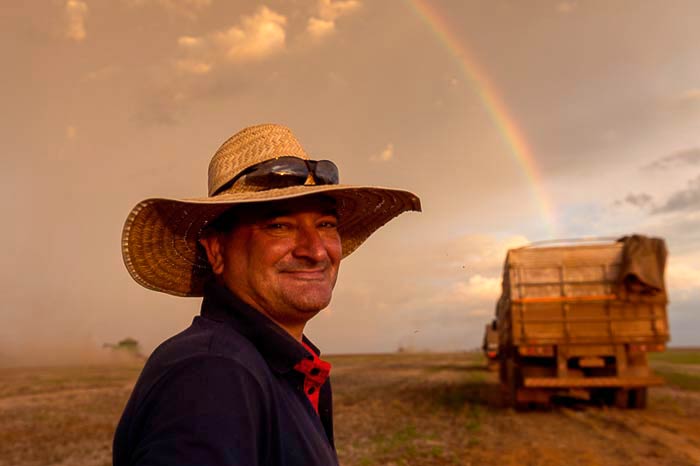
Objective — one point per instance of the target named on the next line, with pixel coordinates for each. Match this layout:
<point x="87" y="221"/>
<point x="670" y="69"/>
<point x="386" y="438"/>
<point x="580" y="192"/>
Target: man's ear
<point x="212" y="245"/>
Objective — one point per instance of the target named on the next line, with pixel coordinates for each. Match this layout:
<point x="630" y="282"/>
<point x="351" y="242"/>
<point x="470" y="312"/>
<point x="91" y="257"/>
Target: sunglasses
<point x="286" y="171"/>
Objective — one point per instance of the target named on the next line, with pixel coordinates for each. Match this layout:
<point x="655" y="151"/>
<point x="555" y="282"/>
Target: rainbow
<point x="494" y="105"/>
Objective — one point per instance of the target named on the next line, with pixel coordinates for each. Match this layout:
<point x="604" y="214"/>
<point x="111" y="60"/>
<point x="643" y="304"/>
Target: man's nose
<point x="309" y="244"/>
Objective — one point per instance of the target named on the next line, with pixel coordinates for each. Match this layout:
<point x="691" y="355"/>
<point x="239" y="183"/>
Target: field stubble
<point x="394" y="409"/>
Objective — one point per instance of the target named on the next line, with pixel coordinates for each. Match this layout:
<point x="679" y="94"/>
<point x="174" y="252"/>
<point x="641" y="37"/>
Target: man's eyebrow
<point x="330" y="211"/>
<point x="287" y="213"/>
<point x="264" y="216"/>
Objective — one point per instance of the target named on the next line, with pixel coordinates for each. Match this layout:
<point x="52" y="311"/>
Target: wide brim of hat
<point x="160" y="237"/>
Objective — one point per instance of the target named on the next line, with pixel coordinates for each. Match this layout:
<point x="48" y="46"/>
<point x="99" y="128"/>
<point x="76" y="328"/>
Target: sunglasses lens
<point x="326" y="172"/>
<point x="286" y="171"/>
<point x="279" y="173"/>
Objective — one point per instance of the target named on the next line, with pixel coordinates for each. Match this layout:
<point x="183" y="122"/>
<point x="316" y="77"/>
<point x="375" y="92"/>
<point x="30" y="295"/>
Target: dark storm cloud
<point x="682" y="233"/>
<point x="575" y="112"/>
<point x="683" y="158"/>
<point x="641" y="200"/>
<point x="687" y="199"/>
<point x="159" y="108"/>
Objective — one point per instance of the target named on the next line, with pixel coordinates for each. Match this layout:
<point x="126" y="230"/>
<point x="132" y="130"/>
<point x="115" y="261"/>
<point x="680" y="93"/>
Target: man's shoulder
<point x="197" y="383"/>
<point x="205" y="339"/>
<point x="202" y="337"/>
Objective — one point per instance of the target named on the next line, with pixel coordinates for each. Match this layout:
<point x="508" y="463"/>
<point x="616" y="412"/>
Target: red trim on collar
<point x="315" y="372"/>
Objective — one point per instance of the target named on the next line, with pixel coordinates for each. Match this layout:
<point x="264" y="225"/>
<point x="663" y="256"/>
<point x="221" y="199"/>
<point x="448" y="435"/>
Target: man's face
<point x="283" y="259"/>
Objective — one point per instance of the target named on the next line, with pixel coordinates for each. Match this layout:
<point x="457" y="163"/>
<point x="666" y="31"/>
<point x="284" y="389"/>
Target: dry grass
<point x="56" y="416"/>
<point x="396" y="409"/>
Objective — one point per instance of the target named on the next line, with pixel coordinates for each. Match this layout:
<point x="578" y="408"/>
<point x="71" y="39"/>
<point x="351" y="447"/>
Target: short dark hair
<point x="224" y="223"/>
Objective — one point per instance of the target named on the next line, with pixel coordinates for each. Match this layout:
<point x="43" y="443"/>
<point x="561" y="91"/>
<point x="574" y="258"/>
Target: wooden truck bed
<point x="570" y="295"/>
<point x="580" y="319"/>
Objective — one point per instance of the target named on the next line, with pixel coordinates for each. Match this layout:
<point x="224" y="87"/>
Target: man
<point x="243" y="385"/>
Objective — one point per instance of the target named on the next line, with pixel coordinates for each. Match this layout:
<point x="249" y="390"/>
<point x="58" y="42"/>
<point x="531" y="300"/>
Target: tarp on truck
<point x="643" y="264"/>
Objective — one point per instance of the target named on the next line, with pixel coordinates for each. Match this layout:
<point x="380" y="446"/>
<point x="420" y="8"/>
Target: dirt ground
<point x="394" y="409"/>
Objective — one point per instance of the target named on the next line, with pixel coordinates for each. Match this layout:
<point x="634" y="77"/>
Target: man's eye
<point x="329" y="224"/>
<point x="276" y="226"/>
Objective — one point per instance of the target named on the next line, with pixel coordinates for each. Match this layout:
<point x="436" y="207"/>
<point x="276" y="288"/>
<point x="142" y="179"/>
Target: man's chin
<point x="312" y="306"/>
<point x="310" y="301"/>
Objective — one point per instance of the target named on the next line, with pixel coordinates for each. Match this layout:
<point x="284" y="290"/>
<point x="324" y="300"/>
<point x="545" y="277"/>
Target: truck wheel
<point x="503" y="370"/>
<point x="513" y="392"/>
<point x="514" y="384"/>
<point x="622" y="398"/>
<point x="638" y="398"/>
<point x="606" y="396"/>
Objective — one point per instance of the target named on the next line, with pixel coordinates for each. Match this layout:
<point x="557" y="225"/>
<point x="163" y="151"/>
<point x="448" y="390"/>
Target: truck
<point x="577" y="318"/>
<point x="490" y="345"/>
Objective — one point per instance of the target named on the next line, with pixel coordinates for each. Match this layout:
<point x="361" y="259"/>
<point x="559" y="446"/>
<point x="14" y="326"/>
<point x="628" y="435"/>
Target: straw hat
<point x="160" y="237"/>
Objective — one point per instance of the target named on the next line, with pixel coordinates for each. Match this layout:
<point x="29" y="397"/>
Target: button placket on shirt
<point x="315" y="372"/>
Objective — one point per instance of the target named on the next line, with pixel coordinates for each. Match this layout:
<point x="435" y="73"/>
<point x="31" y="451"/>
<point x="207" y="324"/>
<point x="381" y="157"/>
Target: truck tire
<point x="621" y="398"/>
<point x="502" y="370"/>
<point x="638" y="398"/>
<point x="606" y="396"/>
<point x="514" y="383"/>
<point x="512" y="391"/>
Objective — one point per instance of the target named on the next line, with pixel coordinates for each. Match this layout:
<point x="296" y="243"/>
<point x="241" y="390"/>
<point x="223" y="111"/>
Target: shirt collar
<point x="281" y="351"/>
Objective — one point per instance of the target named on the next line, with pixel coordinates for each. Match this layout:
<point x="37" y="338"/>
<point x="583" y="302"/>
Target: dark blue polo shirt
<point x="225" y="392"/>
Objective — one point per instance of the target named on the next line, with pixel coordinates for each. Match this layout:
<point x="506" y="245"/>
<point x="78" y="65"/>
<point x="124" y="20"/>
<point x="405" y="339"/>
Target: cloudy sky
<point x="108" y="103"/>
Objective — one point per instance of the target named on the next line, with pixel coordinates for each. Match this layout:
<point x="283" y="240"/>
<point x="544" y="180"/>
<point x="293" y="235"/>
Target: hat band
<point x="284" y="172"/>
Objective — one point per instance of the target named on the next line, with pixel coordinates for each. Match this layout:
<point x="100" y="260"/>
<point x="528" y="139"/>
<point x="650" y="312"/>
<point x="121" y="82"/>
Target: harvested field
<point x="394" y="409"/>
